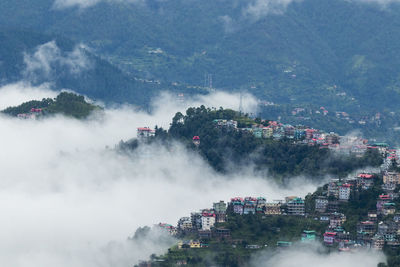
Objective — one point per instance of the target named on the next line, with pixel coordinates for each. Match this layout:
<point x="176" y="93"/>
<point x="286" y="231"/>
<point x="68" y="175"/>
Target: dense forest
<point x="65" y="103"/>
<point x="300" y="53"/>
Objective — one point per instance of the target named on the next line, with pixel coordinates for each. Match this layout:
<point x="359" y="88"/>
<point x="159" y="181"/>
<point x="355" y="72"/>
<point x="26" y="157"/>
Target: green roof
<point x="380" y="144"/>
<point x="283" y="244"/>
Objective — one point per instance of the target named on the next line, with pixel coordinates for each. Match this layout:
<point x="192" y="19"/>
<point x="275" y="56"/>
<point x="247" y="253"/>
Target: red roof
<point x="144" y="129"/>
<point x="330" y="234"/>
<point x="196" y="138"/>
<point x="365" y="175"/>
<point x="367" y="222"/>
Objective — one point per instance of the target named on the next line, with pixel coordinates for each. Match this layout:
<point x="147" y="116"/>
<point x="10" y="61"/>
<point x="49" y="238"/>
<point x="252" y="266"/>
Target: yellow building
<point x="391" y="178"/>
<point x="194" y="244"/>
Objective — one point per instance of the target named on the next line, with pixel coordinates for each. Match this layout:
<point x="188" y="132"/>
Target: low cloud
<point x="61" y="4"/>
<point x="67" y="200"/>
<point x="260" y="8"/>
<point x="229" y="24"/>
<point x="316" y="255"/>
<point x="17" y="93"/>
<point x="381" y="2"/>
<point x="48" y="57"/>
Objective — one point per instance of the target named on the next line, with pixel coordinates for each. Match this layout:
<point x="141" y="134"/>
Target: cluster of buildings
<point x="33" y="114"/>
<point x="364" y="120"/>
<point x="301" y="134"/>
<point x="305" y="114"/>
<point x="251" y="205"/>
<point x="380" y="226"/>
<point x="201" y="224"/>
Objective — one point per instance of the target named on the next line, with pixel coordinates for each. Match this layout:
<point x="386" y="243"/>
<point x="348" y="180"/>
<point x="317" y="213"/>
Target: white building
<point x="145" y="132"/>
<point x="207" y="220"/>
<point x="344" y="192"/>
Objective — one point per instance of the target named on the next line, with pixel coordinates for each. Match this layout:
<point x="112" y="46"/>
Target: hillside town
<point x="377" y="228"/>
<point x="299" y="134"/>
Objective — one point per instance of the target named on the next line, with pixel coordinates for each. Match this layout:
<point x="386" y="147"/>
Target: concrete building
<point x="391" y="178"/>
<point x="207" y="219"/>
<point x="344" y="192"/>
<point x="296" y="207"/>
<point x="329" y="238"/>
<point x="365" y="180"/>
<point x="336" y="220"/>
<point x="195" y="218"/>
<point x="273" y="209"/>
<point x="366" y="227"/>
<point x="249" y="205"/>
<point x="185" y="224"/>
<point x="321" y="204"/>
<point x="237" y="204"/>
<point x="220" y="211"/>
<point x="308" y="236"/>
<point x="261" y="201"/>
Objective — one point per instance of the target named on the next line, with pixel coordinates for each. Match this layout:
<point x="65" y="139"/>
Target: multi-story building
<point x="329" y="238"/>
<point x="261" y="201"/>
<point x="207" y="219"/>
<point x="391" y="178"/>
<point x="249" y="205"/>
<point x="273" y="209"/>
<point x="336" y="220"/>
<point x="344" y="192"/>
<point x="220" y="211"/>
<point x="366" y="227"/>
<point x="321" y="204"/>
<point x="237" y="204"/>
<point x="185" y="224"/>
<point x="378" y="242"/>
<point x="195" y="218"/>
<point x="333" y="189"/>
<point x="333" y="206"/>
<point x="381" y="201"/>
<point x="296" y="207"/>
<point x="365" y="180"/>
<point x="220" y="207"/>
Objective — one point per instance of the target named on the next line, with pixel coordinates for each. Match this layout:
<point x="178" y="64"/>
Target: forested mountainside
<point x="65" y="103"/>
<point x="309" y="52"/>
<point x="41" y="58"/>
<point x="225" y="147"/>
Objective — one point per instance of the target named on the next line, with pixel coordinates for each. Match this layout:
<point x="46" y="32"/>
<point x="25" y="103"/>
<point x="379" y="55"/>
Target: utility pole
<point x="241" y="103"/>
